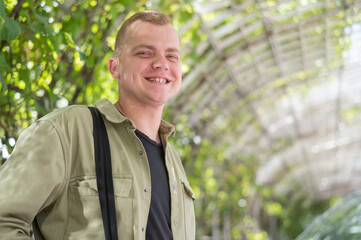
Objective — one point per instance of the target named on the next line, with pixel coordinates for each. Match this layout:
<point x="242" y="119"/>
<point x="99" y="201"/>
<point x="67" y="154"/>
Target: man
<point x="50" y="181"/>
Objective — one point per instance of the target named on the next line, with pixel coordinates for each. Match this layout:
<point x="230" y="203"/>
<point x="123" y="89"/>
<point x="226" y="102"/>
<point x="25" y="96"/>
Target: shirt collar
<point x="166" y="129"/>
<point x="109" y="111"/>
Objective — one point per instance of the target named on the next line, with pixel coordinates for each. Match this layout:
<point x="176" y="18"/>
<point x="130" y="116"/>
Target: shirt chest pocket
<point x="84" y="205"/>
<point x="88" y="187"/>
<point x="188" y="190"/>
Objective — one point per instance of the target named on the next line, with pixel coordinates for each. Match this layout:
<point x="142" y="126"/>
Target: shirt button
<point x="175" y="222"/>
<point x="145" y="189"/>
<point x="140" y="152"/>
<point x="142" y="229"/>
<point x="173" y="185"/>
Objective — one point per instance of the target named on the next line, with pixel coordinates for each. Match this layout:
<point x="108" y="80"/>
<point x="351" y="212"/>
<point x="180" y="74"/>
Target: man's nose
<point x="160" y="63"/>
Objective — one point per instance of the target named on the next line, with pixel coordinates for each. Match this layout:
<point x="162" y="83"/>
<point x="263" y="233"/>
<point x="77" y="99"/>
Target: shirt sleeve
<point x="31" y="179"/>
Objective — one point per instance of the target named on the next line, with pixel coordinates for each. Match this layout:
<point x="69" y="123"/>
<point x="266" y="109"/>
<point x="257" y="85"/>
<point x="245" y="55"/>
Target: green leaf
<point x="2" y="21"/>
<point x="69" y="39"/>
<point x="43" y="24"/>
<point x="4" y="66"/>
<point x="3" y="86"/>
<point x="82" y="54"/>
<point x="2" y="9"/>
<point x="10" y="30"/>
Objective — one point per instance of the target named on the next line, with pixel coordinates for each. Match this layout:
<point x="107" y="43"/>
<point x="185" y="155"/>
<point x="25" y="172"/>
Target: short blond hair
<point x="145" y="16"/>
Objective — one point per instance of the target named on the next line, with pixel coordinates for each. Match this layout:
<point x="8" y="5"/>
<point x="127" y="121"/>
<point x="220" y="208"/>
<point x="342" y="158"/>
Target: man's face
<point x="149" y="64"/>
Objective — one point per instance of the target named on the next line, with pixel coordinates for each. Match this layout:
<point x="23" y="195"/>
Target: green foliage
<point x="297" y="215"/>
<point x="55" y="53"/>
<point x="341" y="221"/>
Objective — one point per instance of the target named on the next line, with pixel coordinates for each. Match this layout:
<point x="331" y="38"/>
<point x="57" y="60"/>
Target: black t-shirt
<point x="158" y="226"/>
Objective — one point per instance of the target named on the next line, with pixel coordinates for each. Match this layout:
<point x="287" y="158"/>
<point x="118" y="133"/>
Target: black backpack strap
<point x="103" y="167"/>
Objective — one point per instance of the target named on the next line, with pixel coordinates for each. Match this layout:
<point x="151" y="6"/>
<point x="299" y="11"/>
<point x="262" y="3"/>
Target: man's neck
<point x="146" y="119"/>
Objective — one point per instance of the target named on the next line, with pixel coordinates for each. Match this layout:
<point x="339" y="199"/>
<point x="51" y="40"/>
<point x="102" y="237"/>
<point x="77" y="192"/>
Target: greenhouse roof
<point x="280" y="80"/>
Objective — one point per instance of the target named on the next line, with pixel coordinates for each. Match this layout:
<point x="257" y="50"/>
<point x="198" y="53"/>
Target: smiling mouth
<point x="158" y="80"/>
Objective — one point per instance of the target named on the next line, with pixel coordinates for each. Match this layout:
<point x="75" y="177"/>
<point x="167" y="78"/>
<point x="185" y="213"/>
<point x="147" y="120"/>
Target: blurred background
<point x="268" y="118"/>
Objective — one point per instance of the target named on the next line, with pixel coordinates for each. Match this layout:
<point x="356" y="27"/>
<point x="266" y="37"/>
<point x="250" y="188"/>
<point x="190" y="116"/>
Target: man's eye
<point x="173" y="57"/>
<point x="144" y="53"/>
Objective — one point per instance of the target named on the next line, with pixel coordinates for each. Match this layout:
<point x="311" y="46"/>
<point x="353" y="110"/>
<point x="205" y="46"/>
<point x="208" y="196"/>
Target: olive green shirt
<point x="49" y="181"/>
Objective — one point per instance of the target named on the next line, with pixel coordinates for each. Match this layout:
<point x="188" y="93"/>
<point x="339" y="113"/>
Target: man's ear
<point x="113" y="66"/>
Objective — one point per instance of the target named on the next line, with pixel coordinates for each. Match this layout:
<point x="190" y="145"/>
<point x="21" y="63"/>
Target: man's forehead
<point x="139" y="33"/>
<point x="138" y="26"/>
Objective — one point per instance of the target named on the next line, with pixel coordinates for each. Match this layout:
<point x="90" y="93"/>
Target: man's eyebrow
<point x="173" y="50"/>
<point x="143" y="46"/>
<point x="150" y="47"/>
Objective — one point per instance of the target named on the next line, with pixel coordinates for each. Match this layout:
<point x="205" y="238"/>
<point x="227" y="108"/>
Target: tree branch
<point x="16" y="10"/>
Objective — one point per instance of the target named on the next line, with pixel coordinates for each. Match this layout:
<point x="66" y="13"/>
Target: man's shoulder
<point x="67" y="114"/>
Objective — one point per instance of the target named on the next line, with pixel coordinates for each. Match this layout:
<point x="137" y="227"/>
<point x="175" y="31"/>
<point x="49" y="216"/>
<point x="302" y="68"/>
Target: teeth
<point x="160" y="80"/>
